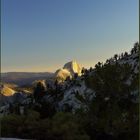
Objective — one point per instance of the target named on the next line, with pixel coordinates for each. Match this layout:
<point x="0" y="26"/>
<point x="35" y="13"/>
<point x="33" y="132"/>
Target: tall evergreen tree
<point x="39" y="91"/>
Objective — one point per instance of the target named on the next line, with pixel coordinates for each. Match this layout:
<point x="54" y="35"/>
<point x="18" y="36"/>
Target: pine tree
<point x="39" y="91"/>
<point x="116" y="57"/>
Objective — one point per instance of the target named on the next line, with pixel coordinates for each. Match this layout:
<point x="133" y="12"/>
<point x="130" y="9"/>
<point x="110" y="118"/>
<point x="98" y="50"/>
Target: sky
<point x="43" y="35"/>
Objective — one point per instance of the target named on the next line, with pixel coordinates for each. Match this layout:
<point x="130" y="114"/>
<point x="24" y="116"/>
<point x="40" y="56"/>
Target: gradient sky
<point x="42" y="35"/>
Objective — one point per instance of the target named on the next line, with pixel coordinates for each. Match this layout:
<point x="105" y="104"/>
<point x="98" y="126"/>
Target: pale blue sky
<point x="42" y="35"/>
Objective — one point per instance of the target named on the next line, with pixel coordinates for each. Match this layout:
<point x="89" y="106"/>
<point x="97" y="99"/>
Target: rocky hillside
<point x="77" y="91"/>
<point x="100" y="103"/>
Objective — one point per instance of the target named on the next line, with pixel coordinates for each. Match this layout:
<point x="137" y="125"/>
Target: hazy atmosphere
<point x="44" y="35"/>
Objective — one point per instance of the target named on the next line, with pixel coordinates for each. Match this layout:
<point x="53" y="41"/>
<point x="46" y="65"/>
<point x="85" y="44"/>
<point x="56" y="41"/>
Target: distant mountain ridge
<point x="24" y="78"/>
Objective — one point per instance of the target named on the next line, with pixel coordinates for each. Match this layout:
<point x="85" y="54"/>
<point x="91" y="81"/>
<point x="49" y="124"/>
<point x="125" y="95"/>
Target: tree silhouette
<point x="136" y="47"/>
<point x="83" y="71"/>
<point x="132" y="51"/>
<point x="116" y="57"/>
<point x="56" y="83"/>
<point x="90" y="69"/>
<point x="122" y="55"/>
<point x="39" y="91"/>
<point x="75" y="75"/>
<point x="125" y="54"/>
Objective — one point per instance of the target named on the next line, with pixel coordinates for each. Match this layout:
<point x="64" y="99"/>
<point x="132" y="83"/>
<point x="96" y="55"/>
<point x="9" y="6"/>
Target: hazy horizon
<point x="43" y="35"/>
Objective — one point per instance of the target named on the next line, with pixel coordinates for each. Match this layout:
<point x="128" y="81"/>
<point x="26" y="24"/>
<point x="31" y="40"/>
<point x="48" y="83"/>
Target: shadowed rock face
<point x="68" y="70"/>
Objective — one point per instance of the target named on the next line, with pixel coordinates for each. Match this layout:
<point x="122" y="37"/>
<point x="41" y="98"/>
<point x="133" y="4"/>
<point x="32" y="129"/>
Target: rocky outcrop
<point x="68" y="70"/>
<point x="6" y="91"/>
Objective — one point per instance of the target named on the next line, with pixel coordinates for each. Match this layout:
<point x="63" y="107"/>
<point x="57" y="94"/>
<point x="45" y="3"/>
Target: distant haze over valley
<point x="24" y="78"/>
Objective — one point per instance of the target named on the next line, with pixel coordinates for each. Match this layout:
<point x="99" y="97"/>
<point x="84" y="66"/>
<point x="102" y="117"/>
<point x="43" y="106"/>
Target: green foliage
<point x="39" y="91"/>
<point x="69" y="128"/>
<point x="110" y="80"/>
<point x="11" y="125"/>
<point x="80" y="98"/>
<point x="19" y="126"/>
<point x="62" y="126"/>
<point x="46" y="109"/>
<point x="117" y="115"/>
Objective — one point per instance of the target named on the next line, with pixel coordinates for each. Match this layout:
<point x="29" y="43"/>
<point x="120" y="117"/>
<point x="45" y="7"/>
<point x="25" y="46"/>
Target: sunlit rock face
<point x="73" y="67"/>
<point x="68" y="70"/>
<point x="62" y="74"/>
<point x="6" y="91"/>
